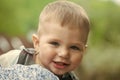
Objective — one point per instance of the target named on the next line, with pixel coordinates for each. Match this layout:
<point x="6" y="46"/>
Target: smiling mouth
<point x="60" y="65"/>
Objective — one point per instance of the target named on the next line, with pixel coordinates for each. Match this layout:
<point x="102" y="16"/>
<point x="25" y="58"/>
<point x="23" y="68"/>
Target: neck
<point x="60" y="77"/>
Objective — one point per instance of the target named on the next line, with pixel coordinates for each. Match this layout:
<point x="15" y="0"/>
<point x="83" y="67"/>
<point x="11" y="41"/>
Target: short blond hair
<point x="66" y="13"/>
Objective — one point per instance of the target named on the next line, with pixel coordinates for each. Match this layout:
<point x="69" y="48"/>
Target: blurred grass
<point x="100" y="63"/>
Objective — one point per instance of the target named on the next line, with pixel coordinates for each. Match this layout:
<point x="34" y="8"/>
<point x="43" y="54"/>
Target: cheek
<point x="76" y="59"/>
<point x="46" y="52"/>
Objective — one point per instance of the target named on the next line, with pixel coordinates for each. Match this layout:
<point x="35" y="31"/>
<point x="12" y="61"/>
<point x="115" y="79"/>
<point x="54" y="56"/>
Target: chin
<point x="59" y="73"/>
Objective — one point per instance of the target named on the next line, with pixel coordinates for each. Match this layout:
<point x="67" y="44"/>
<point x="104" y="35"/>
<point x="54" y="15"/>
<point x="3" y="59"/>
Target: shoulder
<point x="26" y="56"/>
<point x="22" y="72"/>
<point x="8" y="58"/>
<point x="11" y="53"/>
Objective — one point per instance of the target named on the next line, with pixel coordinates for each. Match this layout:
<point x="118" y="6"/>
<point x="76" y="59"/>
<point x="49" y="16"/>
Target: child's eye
<point x="54" y="43"/>
<point x="75" y="48"/>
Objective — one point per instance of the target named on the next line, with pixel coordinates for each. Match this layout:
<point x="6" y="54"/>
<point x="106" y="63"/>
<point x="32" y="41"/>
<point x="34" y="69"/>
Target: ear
<point x="35" y="40"/>
<point x="86" y="46"/>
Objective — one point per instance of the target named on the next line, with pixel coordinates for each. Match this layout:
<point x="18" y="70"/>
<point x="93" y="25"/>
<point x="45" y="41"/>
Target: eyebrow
<point x="51" y="39"/>
<point x="79" y="44"/>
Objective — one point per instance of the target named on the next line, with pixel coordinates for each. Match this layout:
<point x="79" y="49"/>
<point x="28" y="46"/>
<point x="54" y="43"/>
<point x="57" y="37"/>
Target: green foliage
<point x="19" y="17"/>
<point x="104" y="18"/>
<point x="101" y="64"/>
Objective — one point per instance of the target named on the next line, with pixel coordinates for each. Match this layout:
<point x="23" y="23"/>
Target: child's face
<point x="60" y="48"/>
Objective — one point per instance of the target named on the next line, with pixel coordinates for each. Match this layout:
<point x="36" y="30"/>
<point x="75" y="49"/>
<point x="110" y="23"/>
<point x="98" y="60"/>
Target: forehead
<point x="55" y="29"/>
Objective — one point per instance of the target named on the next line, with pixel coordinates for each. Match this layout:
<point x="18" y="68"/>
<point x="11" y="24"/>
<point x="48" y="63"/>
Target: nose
<point x="64" y="53"/>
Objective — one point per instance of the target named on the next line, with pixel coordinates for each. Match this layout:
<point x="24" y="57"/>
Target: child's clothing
<point x="25" y="57"/>
<point x="22" y="72"/>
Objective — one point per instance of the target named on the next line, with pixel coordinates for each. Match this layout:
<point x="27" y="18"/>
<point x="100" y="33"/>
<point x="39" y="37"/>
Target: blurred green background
<point x="19" y="19"/>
